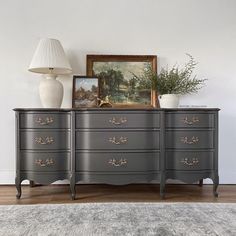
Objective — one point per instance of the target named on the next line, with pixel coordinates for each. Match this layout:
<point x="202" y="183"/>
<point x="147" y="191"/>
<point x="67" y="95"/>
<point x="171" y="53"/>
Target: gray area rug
<point x="119" y="219"/>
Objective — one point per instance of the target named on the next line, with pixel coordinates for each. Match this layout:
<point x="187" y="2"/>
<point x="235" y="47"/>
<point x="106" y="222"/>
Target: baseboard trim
<point x="7" y="177"/>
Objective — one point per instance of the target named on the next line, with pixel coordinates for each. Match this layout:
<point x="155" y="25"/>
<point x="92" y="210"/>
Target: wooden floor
<point x="108" y="193"/>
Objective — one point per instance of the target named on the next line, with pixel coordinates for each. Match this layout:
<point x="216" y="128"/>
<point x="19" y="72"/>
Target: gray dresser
<point x="116" y="146"/>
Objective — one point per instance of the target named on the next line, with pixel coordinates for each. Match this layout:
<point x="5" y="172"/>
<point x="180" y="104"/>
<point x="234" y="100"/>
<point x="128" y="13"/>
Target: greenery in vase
<point x="175" y="80"/>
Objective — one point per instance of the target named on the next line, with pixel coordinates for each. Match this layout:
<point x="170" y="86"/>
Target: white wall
<point x="204" y="28"/>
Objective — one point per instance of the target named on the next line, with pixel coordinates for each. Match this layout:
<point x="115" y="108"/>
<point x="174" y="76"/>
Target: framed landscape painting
<point x="119" y="79"/>
<point x="85" y="91"/>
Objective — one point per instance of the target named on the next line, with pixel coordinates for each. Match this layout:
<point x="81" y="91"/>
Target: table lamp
<point x="50" y="59"/>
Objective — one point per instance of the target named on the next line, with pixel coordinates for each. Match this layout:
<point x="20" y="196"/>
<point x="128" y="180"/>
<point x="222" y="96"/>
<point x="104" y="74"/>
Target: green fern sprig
<point x="175" y="80"/>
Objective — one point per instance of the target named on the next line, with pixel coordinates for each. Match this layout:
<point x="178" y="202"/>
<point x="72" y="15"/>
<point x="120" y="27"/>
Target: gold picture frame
<point x="116" y="75"/>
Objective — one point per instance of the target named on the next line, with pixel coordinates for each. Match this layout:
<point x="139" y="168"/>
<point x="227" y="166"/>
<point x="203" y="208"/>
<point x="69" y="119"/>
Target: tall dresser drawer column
<point x="45" y="140"/>
<point x="44" y="153"/>
<point x="191" y="145"/>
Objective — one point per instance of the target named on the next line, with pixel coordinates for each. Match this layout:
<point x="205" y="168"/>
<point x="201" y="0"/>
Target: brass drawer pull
<point x="188" y="162"/>
<point x="118" y="163"/>
<point x="118" y="141"/>
<point x="192" y="121"/>
<point x="42" y="141"/>
<point x="43" y="163"/>
<point x="193" y="140"/>
<point x="118" y="121"/>
<point x="45" y="121"/>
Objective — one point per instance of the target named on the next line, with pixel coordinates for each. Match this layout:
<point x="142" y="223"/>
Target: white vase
<point x="169" y="100"/>
<point x="51" y="92"/>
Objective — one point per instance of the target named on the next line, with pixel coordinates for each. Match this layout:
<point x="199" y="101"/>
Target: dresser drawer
<point x="44" y="140"/>
<point x="119" y="140"/>
<point x="87" y="161"/>
<point x="189" y="120"/>
<point x="34" y="161"/>
<point x="90" y="120"/>
<point x="189" y="160"/>
<point x="44" y="120"/>
<point x="189" y="139"/>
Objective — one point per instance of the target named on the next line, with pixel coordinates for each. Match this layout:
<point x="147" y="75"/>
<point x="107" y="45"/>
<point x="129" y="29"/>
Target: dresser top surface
<point x="114" y="109"/>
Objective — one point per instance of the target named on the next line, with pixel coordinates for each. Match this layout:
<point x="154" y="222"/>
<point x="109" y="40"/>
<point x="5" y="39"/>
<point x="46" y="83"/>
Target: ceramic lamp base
<point x="51" y="92"/>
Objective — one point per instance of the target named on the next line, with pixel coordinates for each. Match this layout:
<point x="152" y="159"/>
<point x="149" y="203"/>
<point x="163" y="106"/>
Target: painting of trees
<point x="120" y="83"/>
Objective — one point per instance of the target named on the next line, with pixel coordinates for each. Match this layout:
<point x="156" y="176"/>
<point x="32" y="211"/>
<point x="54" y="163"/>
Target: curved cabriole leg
<point x="215" y="186"/>
<point x="162" y="192"/>
<point x="72" y="192"/>
<point x="72" y="187"/>
<point x="162" y="187"/>
<point x="200" y="183"/>
<point x="18" y="187"/>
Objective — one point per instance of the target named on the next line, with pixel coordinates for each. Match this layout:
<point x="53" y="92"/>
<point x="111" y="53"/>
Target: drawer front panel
<point x="45" y="140"/>
<point x="117" y="140"/>
<point x="189" y="120"/>
<point x="45" y="120"/>
<point x="189" y="139"/>
<point x="33" y="161"/>
<point x="87" y="161"/>
<point x="189" y="160"/>
<point x="117" y="120"/>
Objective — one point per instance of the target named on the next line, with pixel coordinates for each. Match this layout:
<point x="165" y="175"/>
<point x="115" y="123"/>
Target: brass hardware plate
<point x="44" y="121"/>
<point x="191" y="121"/>
<point x="117" y="163"/>
<point x="42" y="141"/>
<point x="44" y="163"/>
<point x="190" y="162"/>
<point x="118" y="121"/>
<point x="190" y="141"/>
<point x="118" y="141"/>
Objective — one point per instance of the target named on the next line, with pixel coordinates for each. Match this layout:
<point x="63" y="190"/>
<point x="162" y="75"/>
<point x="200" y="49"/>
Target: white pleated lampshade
<point x="50" y="58"/>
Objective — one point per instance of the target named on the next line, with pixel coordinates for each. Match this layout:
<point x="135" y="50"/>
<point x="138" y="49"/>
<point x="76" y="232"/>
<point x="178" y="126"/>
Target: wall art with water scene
<point x="119" y="79"/>
<point x="85" y="91"/>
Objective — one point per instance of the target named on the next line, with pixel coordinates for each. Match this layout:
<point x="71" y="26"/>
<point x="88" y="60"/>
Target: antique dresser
<point x="116" y="146"/>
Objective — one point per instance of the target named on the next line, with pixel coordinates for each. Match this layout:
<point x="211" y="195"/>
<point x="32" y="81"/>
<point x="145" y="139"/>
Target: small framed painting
<point x="85" y="91"/>
<point x="118" y="79"/>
